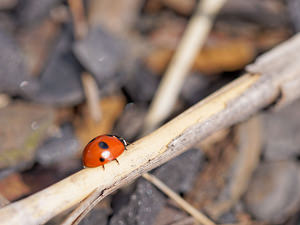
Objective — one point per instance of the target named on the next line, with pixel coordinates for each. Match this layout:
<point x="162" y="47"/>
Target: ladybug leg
<point x="127" y="143"/>
<point x="103" y="167"/>
<point x="117" y="161"/>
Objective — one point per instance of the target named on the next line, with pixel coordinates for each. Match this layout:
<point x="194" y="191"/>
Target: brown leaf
<point x="87" y="128"/>
<point x="13" y="187"/>
<point x="218" y="55"/>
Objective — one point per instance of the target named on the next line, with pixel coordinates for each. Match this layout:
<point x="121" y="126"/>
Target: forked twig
<point x="201" y="218"/>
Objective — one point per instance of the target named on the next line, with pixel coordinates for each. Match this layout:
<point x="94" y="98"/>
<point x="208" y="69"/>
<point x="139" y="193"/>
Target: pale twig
<point x="81" y="210"/>
<point x="186" y="221"/>
<point x="249" y="145"/>
<point x="87" y="204"/>
<point x="3" y="201"/>
<point x="201" y="218"/>
<point x="92" y="96"/>
<point x="143" y="155"/>
<point x="233" y="103"/>
<point x="89" y="84"/>
<point x="80" y="23"/>
<point x="4" y="100"/>
<point x="192" y="41"/>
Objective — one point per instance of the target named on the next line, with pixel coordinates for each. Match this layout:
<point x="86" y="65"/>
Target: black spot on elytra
<point x="103" y="145"/>
<point x="102" y="159"/>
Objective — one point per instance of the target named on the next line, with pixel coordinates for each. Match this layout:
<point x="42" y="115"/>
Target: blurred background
<point x="72" y="70"/>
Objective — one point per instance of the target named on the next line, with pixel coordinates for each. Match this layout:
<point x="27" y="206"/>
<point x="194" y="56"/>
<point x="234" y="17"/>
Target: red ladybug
<point x="103" y="149"/>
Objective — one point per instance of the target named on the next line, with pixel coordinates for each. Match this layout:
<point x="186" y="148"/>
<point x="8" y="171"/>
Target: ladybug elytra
<point x="103" y="149"/>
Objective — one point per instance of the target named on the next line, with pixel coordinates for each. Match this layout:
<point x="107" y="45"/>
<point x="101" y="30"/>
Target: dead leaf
<point x="87" y="128"/>
<point x="13" y="187"/>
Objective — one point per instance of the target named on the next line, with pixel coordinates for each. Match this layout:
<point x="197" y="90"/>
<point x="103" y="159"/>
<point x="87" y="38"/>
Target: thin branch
<point x="4" y="100"/>
<point x="186" y="221"/>
<point x="89" y="84"/>
<point x="79" y="19"/>
<point x="92" y="95"/>
<point x="201" y="218"/>
<point x="192" y="41"/>
<point x="143" y="155"/>
<point x="249" y="148"/>
<point x="3" y="201"/>
<point x="231" y="104"/>
<point x="99" y="193"/>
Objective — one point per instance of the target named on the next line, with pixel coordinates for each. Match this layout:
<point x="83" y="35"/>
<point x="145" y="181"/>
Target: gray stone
<point x="60" y="83"/>
<point x="281" y="131"/>
<point x="98" y="216"/>
<point x="130" y="122"/>
<point x="31" y="12"/>
<point x="146" y="201"/>
<point x="101" y="54"/>
<point x="141" y="209"/>
<point x="141" y="84"/>
<point x="62" y="146"/>
<point x="14" y="77"/>
<point x="195" y="88"/>
<point x="263" y="13"/>
<point x="293" y="7"/>
<point x="23" y="127"/>
<point x="274" y="191"/>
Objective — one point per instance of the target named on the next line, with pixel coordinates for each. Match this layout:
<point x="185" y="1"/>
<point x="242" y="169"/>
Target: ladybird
<point x="103" y="149"/>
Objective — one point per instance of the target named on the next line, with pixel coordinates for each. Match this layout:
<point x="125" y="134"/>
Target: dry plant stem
<point x="80" y="24"/>
<point x="4" y="100"/>
<point x="252" y="222"/>
<point x="201" y="218"/>
<point x="89" y="84"/>
<point x="142" y="156"/>
<point x="192" y="41"/>
<point x="233" y="103"/>
<point x="186" y="221"/>
<point x="84" y="207"/>
<point x="249" y="145"/>
<point x="92" y="95"/>
<point x="192" y="116"/>
<point x="3" y="201"/>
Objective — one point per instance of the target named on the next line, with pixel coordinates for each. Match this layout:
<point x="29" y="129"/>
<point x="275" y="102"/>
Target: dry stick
<point x="185" y="221"/>
<point x="233" y="103"/>
<point x="89" y="84"/>
<point x="3" y="201"/>
<point x="201" y="218"/>
<point x="170" y="86"/>
<point x="98" y="194"/>
<point x="92" y="95"/>
<point x="198" y="216"/>
<point x="78" y="186"/>
<point x="249" y="145"/>
<point x="143" y="155"/>
<point x="195" y="36"/>
<point x="80" y="24"/>
<point x="4" y="100"/>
